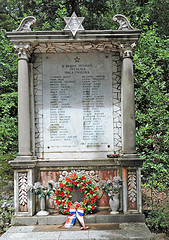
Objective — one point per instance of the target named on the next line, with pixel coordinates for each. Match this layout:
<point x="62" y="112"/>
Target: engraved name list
<point x="77" y="102"/>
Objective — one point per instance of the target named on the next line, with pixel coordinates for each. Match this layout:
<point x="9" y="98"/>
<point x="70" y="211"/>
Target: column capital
<point x="127" y="49"/>
<point x="24" y="50"/>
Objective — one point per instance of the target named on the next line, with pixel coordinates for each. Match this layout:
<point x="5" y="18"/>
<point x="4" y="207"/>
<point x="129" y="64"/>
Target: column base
<point x="130" y="160"/>
<point x="22" y="162"/>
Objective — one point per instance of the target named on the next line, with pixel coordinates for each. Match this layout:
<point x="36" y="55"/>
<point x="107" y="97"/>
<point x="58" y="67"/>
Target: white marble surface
<point x="77" y="104"/>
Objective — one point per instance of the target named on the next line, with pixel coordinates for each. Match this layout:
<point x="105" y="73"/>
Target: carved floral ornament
<point x="22" y="184"/>
<point x="26" y="23"/>
<point x="24" y="50"/>
<point x="123" y="22"/>
<point x="132" y="186"/>
<point x="127" y="49"/>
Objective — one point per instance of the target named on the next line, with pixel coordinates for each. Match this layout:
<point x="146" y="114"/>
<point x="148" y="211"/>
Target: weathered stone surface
<point x="126" y="231"/>
<point x="38" y="70"/>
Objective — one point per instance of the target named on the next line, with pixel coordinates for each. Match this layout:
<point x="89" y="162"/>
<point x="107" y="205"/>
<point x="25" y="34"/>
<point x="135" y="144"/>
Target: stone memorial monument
<point x="75" y="107"/>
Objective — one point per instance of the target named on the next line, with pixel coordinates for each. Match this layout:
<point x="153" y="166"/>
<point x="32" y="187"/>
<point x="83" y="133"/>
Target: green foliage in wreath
<point x="87" y="187"/>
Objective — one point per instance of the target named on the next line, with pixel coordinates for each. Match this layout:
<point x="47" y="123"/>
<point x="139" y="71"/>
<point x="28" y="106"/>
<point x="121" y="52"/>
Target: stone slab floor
<point x="132" y="231"/>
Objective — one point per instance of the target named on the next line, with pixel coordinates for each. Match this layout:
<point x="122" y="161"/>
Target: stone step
<point x="94" y="218"/>
<point x="134" y="231"/>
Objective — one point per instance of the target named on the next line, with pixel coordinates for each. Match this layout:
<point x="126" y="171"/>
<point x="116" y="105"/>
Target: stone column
<point x="128" y="104"/>
<point x="129" y="159"/>
<point x="23" y="100"/>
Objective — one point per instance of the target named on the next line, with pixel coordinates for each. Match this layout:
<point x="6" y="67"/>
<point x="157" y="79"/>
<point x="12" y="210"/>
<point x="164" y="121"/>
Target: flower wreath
<point x="87" y="187"/>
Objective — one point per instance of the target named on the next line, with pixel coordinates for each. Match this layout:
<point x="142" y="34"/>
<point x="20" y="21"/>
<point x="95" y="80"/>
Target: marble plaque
<point x="77" y="102"/>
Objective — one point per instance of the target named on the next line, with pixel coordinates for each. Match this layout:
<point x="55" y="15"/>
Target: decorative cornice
<point x="123" y="22"/>
<point x="24" y="50"/>
<point x="25" y="25"/>
<point x="127" y="49"/>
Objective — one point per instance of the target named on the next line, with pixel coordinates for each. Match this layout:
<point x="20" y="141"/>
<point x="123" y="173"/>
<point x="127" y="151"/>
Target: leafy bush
<point x="8" y="107"/>
<point x="158" y="219"/>
<point x="6" y="212"/>
<point x="156" y="209"/>
<point x="152" y="101"/>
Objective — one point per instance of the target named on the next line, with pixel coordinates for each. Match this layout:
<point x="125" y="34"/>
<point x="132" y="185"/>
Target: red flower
<point x="89" y="182"/>
<point x="68" y="179"/>
<point x="68" y="209"/>
<point x="85" y="195"/>
<point x="61" y="185"/>
<point x="77" y="205"/>
<point x="62" y="194"/>
<point x="95" y="188"/>
<point x="69" y="189"/>
<point x="83" y="177"/>
<point x="84" y="202"/>
<point x="73" y="176"/>
<point x="57" y="193"/>
<point x="79" y="181"/>
<point x="69" y="203"/>
<point x="67" y="195"/>
<point x="90" y="191"/>
<point x="58" y="202"/>
<point x="75" y="183"/>
<point x="93" y="207"/>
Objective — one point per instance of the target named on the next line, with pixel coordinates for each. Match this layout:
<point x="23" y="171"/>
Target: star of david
<point x="74" y="23"/>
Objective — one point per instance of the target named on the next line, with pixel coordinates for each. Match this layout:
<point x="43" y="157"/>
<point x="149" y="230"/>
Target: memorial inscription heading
<point x="77" y="102"/>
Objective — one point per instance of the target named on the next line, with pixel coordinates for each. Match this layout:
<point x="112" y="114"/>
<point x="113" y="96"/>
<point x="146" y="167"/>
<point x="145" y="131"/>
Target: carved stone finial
<point x="74" y="23"/>
<point x="26" y="23"/>
<point x="24" y="50"/>
<point x="123" y="22"/>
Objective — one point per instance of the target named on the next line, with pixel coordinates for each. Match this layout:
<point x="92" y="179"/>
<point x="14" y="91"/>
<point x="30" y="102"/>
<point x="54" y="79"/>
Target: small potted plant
<point x="112" y="187"/>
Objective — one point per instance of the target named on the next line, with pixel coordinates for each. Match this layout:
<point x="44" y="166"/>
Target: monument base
<point x="100" y="217"/>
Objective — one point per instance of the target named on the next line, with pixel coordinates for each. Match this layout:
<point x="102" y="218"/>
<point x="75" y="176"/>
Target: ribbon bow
<point x="73" y="214"/>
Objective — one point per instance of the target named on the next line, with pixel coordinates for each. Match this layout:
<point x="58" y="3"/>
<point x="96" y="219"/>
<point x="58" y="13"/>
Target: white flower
<point x="109" y="182"/>
<point x="61" y="178"/>
<point x="92" y="173"/>
<point x="36" y="185"/>
<point x="29" y="187"/>
<point x="64" y="173"/>
<point x="116" y="179"/>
